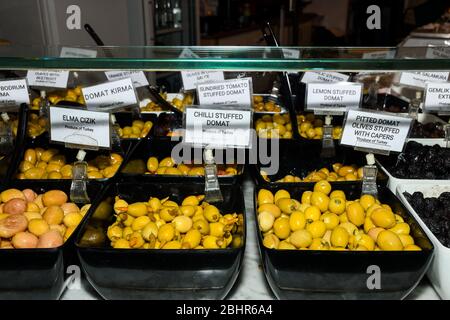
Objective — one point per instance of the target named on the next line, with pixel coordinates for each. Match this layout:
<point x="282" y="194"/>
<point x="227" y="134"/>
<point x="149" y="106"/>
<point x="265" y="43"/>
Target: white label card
<point x="68" y="52"/>
<point x="80" y="127"/>
<point x="320" y="76"/>
<point x="48" y="78"/>
<point x="234" y="91"/>
<point x="291" y="53"/>
<point x="218" y="127"/>
<point x="138" y="77"/>
<point x="437" y="97"/>
<point x="386" y="54"/>
<point x="192" y="78"/>
<point x="420" y="79"/>
<point x="13" y="93"/>
<point x="375" y="131"/>
<point x="333" y="97"/>
<point x="110" y="95"/>
<point x="438" y="53"/>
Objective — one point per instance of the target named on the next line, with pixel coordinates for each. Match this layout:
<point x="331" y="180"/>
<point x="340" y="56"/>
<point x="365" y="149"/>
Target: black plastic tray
<point x="301" y="157"/>
<point x="162" y="274"/>
<point x="305" y="274"/>
<point x="39" y="273"/>
<point x="162" y="149"/>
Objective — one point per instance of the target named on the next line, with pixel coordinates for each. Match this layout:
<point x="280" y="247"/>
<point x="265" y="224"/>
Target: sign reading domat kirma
<point x="110" y="95"/>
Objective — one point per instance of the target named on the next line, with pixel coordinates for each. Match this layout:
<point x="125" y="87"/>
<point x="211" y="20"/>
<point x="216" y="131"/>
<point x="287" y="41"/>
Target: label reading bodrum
<point x="437" y="97"/>
<point x="48" y="78"/>
<point x="438" y="53"/>
<point x="333" y="97"/>
<point x="320" y="76"/>
<point x="110" y="95"/>
<point x="13" y="93"/>
<point x="80" y="127"/>
<point x="235" y="91"/>
<point x="68" y="52"/>
<point x="218" y="127"/>
<point x="375" y="131"/>
<point x="420" y="79"/>
<point x="192" y="78"/>
<point x="138" y="77"/>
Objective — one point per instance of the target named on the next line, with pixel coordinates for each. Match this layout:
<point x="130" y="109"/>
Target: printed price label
<point x="235" y="91"/>
<point x="80" y="127"/>
<point x="291" y="53"/>
<point x="386" y="54"/>
<point x="319" y="76"/>
<point x="420" y="79"/>
<point x="110" y="95"/>
<point x="138" y="77"/>
<point x="13" y="93"/>
<point x="218" y="127"/>
<point x="333" y="97"/>
<point x="375" y="131"/>
<point x="437" y="97"/>
<point x="48" y="78"/>
<point x="438" y="53"/>
<point x="68" y="52"/>
<point x="192" y="78"/>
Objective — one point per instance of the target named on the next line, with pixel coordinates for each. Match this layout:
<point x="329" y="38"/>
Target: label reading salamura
<point x="333" y="97"/>
<point x="110" y="95"/>
<point x="13" y="93"/>
<point x="437" y="97"/>
<point x="420" y="79"/>
<point x="320" y="76"/>
<point x="375" y="131"/>
<point x="48" y="78"/>
<point x="80" y="127"/>
<point x="218" y="127"/>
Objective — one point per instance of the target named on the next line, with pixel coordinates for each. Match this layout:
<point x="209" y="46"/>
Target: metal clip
<point x="372" y="96"/>
<point x="447" y="135"/>
<point x="115" y="138"/>
<point x="6" y="135"/>
<point x="328" y="149"/>
<point x="212" y="187"/>
<point x="78" y="192"/>
<point x="370" y="172"/>
<point x="275" y="92"/>
<point x="44" y="106"/>
<point x="414" y="106"/>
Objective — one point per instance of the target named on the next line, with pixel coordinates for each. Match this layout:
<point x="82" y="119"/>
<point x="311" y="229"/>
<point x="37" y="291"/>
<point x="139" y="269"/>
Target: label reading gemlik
<point x="437" y="97"/>
<point x="110" y="95"/>
<point x="319" y="76"/>
<point x="138" y="77"/>
<point x="48" y="78"/>
<point x="333" y="97"/>
<point x="420" y="79"/>
<point x="192" y="78"/>
<point x="80" y="127"/>
<point x="218" y="127"/>
<point x="375" y="131"/>
<point x="235" y="91"/>
<point x="13" y="93"/>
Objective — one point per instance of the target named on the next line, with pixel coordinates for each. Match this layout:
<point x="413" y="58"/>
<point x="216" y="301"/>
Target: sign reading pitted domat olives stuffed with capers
<point x="325" y="220"/>
<point x="163" y="224"/>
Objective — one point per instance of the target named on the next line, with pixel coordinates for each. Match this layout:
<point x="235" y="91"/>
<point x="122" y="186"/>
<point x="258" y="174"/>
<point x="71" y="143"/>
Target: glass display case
<point x="98" y="172"/>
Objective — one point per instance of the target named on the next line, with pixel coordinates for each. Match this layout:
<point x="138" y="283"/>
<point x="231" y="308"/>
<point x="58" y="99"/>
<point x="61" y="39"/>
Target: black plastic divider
<point x="159" y="273"/>
<point x="310" y="274"/>
<point x="40" y="273"/>
<point x="299" y="158"/>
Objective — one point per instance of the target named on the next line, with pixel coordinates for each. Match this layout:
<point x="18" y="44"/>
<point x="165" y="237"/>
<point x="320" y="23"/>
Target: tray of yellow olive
<point x="301" y="162"/>
<point x="311" y="126"/>
<point x="320" y="243"/>
<point x="262" y="103"/>
<point x="160" y="160"/>
<point x="129" y="128"/>
<point x="164" y="241"/>
<point x="178" y="100"/>
<point x="55" y="162"/>
<point x="73" y="95"/>
<point x="276" y="126"/>
<point x="37" y="228"/>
